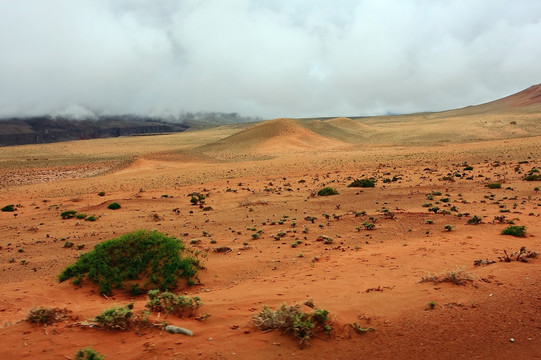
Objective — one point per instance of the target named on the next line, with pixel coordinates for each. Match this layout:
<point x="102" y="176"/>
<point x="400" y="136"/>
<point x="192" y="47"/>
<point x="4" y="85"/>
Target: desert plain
<point x="433" y="173"/>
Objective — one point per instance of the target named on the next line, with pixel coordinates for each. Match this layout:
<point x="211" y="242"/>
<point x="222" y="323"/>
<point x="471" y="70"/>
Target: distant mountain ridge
<point x="48" y="129"/>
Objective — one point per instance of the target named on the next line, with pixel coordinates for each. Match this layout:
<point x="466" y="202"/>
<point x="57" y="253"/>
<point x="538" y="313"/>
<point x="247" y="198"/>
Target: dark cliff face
<point x="37" y="130"/>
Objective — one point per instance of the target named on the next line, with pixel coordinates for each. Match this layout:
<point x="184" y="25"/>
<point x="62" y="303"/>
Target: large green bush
<point x="141" y="257"/>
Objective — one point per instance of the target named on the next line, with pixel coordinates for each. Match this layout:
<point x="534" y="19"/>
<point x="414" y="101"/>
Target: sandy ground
<point x="371" y="277"/>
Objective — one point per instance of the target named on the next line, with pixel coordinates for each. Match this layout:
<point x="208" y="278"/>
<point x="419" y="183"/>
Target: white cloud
<point x="268" y="57"/>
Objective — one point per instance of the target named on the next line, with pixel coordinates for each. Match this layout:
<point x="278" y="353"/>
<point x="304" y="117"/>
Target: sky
<point x="266" y="58"/>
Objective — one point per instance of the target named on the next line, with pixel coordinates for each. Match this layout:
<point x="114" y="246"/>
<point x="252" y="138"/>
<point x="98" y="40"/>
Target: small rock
<point x="178" y="330"/>
<point x="512" y="339"/>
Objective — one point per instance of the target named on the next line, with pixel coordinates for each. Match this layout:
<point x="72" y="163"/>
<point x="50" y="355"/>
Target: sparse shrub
<point x="468" y="168"/>
<point x="46" y="316"/>
<point x="113" y="206"/>
<point x="170" y="303"/>
<point x="88" y="354"/>
<point x="494" y="186"/>
<point x="434" y="209"/>
<point x="80" y="216"/>
<point x="147" y="254"/>
<point x="197" y="198"/>
<point x="368" y="225"/>
<point x="475" y="220"/>
<point x="68" y="214"/>
<point x="291" y="319"/>
<point x="364" y="183"/>
<point x="327" y="191"/>
<point x="115" y="318"/>
<point x="448" y="227"/>
<point x="431" y="305"/>
<point x="458" y="276"/>
<point x="515" y="230"/>
<point x="523" y="255"/>
<point x="360" y="329"/>
<point x="8" y="208"/>
<point x="91" y="218"/>
<point x="101" y="193"/>
<point x="68" y="244"/>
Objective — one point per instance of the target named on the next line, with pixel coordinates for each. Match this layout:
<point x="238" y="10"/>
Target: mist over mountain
<point x="79" y="123"/>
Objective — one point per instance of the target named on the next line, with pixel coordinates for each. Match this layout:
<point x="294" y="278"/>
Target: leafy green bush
<point x="197" y="198"/>
<point x="8" y="208"/>
<point x="68" y="214"/>
<point x="123" y="261"/>
<point x="91" y="218"/>
<point x="363" y="183"/>
<point x="88" y="354"/>
<point x="291" y="319"/>
<point x="115" y="318"/>
<point x="171" y="303"/>
<point x="80" y="216"/>
<point x="113" y="206"/>
<point x="327" y="191"/>
<point x="368" y="225"/>
<point x="515" y="230"/>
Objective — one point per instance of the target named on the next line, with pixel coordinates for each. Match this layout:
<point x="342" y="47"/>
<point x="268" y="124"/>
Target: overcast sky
<point x="268" y="58"/>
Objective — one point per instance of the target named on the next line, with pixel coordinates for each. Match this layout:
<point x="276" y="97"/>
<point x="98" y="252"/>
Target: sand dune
<point x="272" y="137"/>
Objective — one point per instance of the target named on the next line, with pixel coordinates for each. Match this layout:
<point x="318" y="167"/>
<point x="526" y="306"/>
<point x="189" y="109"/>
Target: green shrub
<point x="68" y="214"/>
<point x="515" y="230"/>
<point x="532" y="177"/>
<point x="327" y="191"/>
<point x="170" y="303"/>
<point x="80" y="216"/>
<point x="91" y="218"/>
<point x="368" y="225"/>
<point x="291" y="319"/>
<point x="475" y="220"/>
<point x="115" y="318"/>
<point x="364" y="183"/>
<point x="88" y="354"/>
<point x="197" y="198"/>
<point x="8" y="208"/>
<point x="113" y="206"/>
<point x="141" y="254"/>
<point x="494" y="186"/>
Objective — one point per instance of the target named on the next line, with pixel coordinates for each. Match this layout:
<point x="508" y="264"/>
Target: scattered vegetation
<point x="115" y="318"/>
<point x="291" y="319"/>
<point x="515" y="230"/>
<point x="140" y="255"/>
<point x="475" y="220"/>
<point x="88" y="354"/>
<point x="522" y="255"/>
<point x="360" y="329"/>
<point x="364" y="183"/>
<point x="458" y="276"/>
<point x="494" y="186"/>
<point x="168" y="302"/>
<point x="46" y="316"/>
<point x="69" y="214"/>
<point x="197" y="198"/>
<point x="327" y="191"/>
